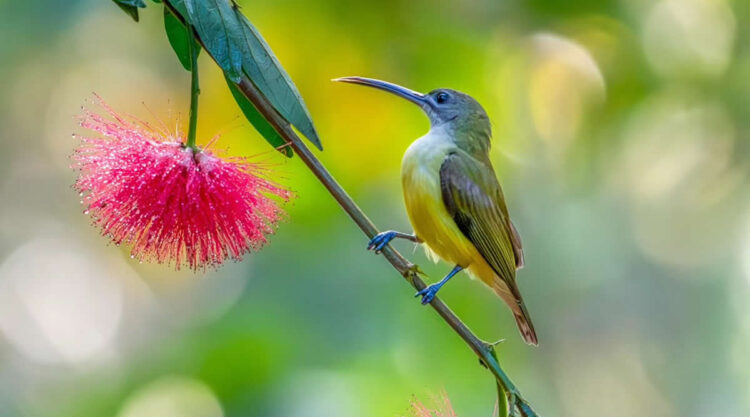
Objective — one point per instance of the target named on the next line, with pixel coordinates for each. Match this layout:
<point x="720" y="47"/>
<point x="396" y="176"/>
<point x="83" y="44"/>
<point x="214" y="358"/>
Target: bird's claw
<point x="378" y="242"/>
<point x="428" y="293"/>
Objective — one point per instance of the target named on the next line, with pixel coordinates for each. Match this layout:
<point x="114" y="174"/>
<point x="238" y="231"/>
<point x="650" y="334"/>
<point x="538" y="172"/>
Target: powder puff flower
<point x="445" y="410"/>
<point x="420" y="410"/>
<point x="168" y="202"/>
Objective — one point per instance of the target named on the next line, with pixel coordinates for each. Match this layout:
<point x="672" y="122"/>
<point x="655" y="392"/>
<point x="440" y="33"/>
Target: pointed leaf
<point x="266" y="72"/>
<point x="239" y="50"/>
<point x="130" y="7"/>
<point x="179" y="38"/>
<point x="134" y="3"/>
<point x="179" y="6"/>
<point x="257" y="120"/>
<point x="218" y="28"/>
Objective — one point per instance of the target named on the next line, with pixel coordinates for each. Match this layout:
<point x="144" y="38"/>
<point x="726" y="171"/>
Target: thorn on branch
<point x="412" y="271"/>
<point x="281" y="147"/>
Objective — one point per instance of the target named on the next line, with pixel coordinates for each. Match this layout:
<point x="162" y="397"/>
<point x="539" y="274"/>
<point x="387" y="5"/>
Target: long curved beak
<point x="411" y="95"/>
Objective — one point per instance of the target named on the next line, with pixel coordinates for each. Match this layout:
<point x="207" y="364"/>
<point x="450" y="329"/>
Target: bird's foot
<point x="378" y="242"/>
<point x="428" y="293"/>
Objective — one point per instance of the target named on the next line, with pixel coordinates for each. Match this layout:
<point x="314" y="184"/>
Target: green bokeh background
<point x="621" y="140"/>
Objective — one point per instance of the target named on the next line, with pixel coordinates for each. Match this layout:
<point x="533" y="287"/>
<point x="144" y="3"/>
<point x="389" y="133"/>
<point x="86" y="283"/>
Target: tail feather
<point x="525" y="326"/>
<point x="509" y="293"/>
<point x="512" y="298"/>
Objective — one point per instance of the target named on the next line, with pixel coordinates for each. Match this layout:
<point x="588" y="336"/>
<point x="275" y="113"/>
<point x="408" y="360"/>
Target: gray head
<point x="445" y="107"/>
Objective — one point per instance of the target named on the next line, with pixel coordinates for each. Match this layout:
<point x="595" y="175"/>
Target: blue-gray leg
<point x="378" y="242"/>
<point x="428" y="293"/>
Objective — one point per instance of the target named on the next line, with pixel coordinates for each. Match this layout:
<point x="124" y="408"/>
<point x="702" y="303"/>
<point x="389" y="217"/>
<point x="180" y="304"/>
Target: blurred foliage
<point x="621" y="139"/>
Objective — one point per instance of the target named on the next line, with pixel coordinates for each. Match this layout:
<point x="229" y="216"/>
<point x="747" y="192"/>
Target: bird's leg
<point x="378" y="242"/>
<point x="428" y="293"/>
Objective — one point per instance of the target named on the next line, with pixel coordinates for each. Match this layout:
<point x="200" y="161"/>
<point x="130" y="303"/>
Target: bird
<point x="453" y="198"/>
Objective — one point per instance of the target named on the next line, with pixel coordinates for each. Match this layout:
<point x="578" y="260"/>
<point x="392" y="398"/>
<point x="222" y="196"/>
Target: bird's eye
<point x="441" y="97"/>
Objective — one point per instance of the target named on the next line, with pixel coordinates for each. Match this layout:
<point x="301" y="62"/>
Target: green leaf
<point x="130" y="7"/>
<point x="219" y="29"/>
<point x="257" y="120"/>
<point x="265" y="70"/>
<point x="239" y="50"/>
<point x="179" y="7"/>
<point x="179" y="38"/>
<point x="134" y="3"/>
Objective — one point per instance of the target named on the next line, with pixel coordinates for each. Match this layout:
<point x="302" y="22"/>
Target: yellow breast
<point x="420" y="175"/>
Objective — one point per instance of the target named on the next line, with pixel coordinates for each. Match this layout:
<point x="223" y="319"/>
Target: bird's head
<point x="445" y="107"/>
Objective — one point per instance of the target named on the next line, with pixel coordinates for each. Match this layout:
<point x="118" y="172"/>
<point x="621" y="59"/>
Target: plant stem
<point x="408" y="270"/>
<point x="502" y="402"/>
<point x="194" y="92"/>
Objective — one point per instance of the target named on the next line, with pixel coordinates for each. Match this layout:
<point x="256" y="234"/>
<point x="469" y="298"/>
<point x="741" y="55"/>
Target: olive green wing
<point x="473" y="197"/>
<point x="515" y="239"/>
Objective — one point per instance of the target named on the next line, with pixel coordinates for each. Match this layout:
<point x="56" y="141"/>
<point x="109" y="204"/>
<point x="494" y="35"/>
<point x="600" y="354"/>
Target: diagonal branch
<point x="483" y="350"/>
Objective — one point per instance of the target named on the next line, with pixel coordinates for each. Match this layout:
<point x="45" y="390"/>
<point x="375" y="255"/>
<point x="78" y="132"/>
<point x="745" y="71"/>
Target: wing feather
<point x="515" y="239"/>
<point x="474" y="198"/>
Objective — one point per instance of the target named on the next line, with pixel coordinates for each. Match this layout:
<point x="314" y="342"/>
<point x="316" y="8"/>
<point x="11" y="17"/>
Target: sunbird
<point x="453" y="198"/>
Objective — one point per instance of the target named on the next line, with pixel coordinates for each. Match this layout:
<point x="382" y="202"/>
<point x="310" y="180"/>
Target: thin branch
<point x="408" y="270"/>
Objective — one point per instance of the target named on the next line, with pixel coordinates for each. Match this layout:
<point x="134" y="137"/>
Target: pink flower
<point x="168" y="202"/>
<point x="420" y="410"/>
<point x="444" y="410"/>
